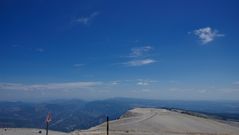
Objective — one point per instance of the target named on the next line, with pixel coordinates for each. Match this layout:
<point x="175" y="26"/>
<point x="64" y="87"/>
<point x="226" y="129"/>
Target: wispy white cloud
<point x="115" y="82"/>
<point x="145" y="82"/>
<point x="140" y="51"/>
<point x="87" y="19"/>
<point x="140" y="56"/>
<point x="142" y="83"/>
<point x="207" y="34"/>
<point x="49" y="86"/>
<point x="140" y="62"/>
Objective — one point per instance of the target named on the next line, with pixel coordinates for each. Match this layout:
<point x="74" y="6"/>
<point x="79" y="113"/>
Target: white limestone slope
<point x="27" y="131"/>
<point x="146" y="121"/>
<point x="149" y="121"/>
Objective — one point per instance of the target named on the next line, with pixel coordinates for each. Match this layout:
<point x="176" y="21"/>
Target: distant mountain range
<point x="68" y="115"/>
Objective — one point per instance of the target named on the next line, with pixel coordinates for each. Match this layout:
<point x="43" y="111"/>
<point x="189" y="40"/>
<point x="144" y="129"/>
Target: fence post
<point x="107" y="125"/>
<point x="47" y="125"/>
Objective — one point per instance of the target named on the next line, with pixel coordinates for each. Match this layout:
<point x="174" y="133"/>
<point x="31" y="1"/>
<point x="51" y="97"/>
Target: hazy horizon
<point x="100" y="49"/>
<point x="46" y="100"/>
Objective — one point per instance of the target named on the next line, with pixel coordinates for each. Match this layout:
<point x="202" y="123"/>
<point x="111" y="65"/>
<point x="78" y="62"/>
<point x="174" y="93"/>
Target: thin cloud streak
<point x="49" y="86"/>
<point x="140" y="51"/>
<point x="145" y="82"/>
<point x="88" y="19"/>
<point x="134" y="63"/>
<point x="140" y="56"/>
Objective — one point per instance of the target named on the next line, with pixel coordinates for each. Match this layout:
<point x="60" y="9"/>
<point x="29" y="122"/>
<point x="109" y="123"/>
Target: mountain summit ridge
<point x="147" y="121"/>
<point x="151" y="121"/>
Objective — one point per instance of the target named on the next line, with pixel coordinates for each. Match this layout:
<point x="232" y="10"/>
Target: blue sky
<point x="95" y="49"/>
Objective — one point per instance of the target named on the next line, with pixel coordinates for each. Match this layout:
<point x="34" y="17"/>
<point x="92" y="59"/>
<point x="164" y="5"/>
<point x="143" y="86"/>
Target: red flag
<point x="48" y="118"/>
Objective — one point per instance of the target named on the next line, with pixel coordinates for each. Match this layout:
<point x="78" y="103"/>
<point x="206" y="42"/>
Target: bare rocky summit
<point x="147" y="121"/>
<point x="150" y="121"/>
<point x="27" y="131"/>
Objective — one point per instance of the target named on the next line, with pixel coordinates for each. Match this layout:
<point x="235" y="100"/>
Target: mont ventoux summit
<point x="138" y="67"/>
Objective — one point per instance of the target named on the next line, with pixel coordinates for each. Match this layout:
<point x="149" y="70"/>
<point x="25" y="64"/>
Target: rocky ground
<point x="148" y="121"/>
<point x="27" y="131"/>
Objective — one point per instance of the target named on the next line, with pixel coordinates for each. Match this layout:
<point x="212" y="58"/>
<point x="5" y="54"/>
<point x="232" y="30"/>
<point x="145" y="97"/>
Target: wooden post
<point x="47" y="125"/>
<point x="107" y="125"/>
